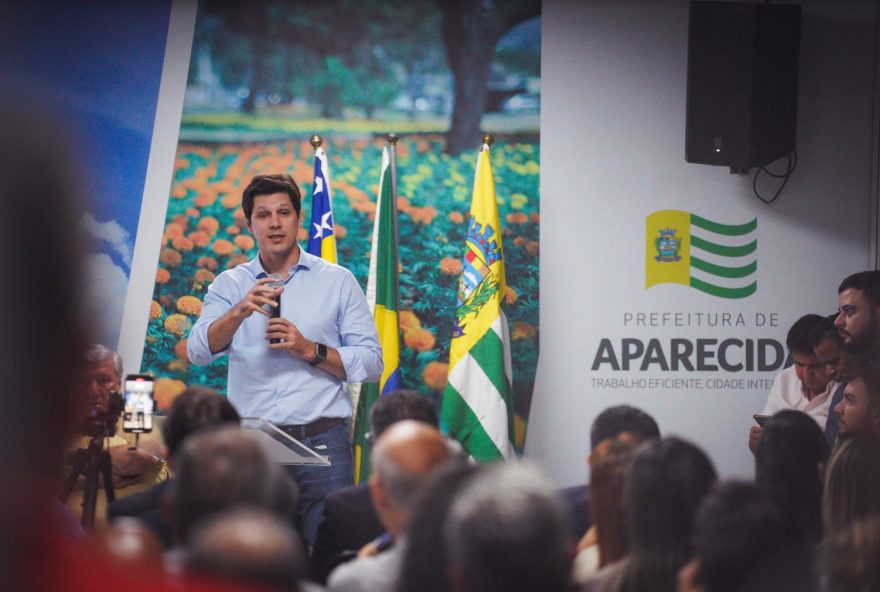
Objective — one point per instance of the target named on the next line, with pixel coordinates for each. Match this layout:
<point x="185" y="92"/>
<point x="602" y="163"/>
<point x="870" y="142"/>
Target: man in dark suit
<point x="349" y="521"/>
<point x="196" y="408"/>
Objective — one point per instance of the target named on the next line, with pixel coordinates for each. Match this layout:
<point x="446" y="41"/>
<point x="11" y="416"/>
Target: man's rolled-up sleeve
<point x="217" y="302"/>
<point x="360" y="350"/>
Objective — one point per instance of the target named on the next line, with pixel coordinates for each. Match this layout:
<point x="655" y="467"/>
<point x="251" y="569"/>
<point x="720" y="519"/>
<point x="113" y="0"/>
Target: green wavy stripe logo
<point x="724" y="255"/>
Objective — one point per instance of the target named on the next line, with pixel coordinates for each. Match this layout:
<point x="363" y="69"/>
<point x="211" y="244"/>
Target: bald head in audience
<point x="405" y="454"/>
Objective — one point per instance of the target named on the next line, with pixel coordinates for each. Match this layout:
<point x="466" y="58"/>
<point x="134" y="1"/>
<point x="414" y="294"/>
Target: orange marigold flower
<point x="193" y="212"/>
<point x="535" y="217"/>
<point x="155" y="310"/>
<point x="177" y="324"/>
<point x="165" y="300"/>
<point x="209" y="224"/>
<point x="178" y="192"/>
<point x="200" y="238"/>
<point x="456" y="217"/>
<point x="450" y="266"/>
<point x="434" y="375"/>
<point x="166" y="390"/>
<point x="233" y="230"/>
<point x="173" y="230"/>
<point x="419" y="339"/>
<point x="364" y="207"/>
<point x="205" y="199"/>
<point x="178" y="365"/>
<point x="180" y="349"/>
<point x="170" y="257"/>
<point x="517" y="218"/>
<point x="181" y="220"/>
<point x="519" y="241"/>
<point x="532" y="248"/>
<point x="204" y="276"/>
<point x="230" y="201"/>
<point x="244" y="242"/>
<point x="236" y="259"/>
<point x="302" y="234"/>
<point x="163" y="276"/>
<point x="510" y="295"/>
<point x="189" y="305"/>
<point x="181" y="243"/>
<point x="222" y="246"/>
<point x="408" y="320"/>
<point x="522" y="330"/>
<point x="207" y="263"/>
<point x="340" y="231"/>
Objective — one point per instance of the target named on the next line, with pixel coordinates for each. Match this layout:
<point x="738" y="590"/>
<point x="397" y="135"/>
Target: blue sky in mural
<point x="96" y="67"/>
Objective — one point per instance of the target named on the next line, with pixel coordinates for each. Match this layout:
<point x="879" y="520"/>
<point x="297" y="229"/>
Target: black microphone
<point x="276" y="282"/>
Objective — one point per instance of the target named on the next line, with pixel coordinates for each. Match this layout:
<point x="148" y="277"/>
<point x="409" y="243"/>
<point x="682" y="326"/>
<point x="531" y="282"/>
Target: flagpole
<point x="392" y="143"/>
<point x="316" y="141"/>
<point x="488" y="139"/>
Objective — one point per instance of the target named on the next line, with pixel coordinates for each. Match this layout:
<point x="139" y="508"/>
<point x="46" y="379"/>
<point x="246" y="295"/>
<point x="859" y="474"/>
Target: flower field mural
<point x="220" y="150"/>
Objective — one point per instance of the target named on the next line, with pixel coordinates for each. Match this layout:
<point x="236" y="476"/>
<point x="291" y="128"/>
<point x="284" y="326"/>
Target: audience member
<point x="403" y="458"/>
<point x="507" y="530"/>
<point x="737" y="528"/>
<point x="609" y="424"/>
<point x="222" y="468"/>
<point x="606" y="542"/>
<point x="667" y="481"/>
<point x="852" y="484"/>
<point x="804" y="385"/>
<point x="426" y="558"/>
<point x="194" y="409"/>
<point x="859" y="409"/>
<point x="858" y="321"/>
<point x="134" y="469"/>
<point x="349" y="520"/>
<point x="850" y="558"/>
<point x="828" y="347"/>
<point x="789" y="465"/>
<point x="128" y="543"/>
<point x="248" y="546"/>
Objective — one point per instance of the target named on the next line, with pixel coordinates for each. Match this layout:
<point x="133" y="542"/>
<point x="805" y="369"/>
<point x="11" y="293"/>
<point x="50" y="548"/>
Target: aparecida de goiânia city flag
<point x="477" y="406"/>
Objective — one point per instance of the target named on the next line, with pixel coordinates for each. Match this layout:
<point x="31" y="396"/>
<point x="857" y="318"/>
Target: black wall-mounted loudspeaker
<point x="742" y="80"/>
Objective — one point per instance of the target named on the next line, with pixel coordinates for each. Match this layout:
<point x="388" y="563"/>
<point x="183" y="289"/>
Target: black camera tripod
<point x="90" y="462"/>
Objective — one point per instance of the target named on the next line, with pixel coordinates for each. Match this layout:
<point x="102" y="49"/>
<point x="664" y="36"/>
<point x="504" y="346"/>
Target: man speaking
<point x="291" y="366"/>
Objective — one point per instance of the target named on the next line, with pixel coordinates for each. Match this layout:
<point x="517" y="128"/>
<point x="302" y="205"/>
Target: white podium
<point x="280" y="447"/>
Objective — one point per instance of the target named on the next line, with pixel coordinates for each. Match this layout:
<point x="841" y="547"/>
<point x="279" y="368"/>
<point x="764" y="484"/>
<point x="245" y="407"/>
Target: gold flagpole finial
<point x="392" y="138"/>
<point x="316" y="141"/>
<point x="488" y="139"/>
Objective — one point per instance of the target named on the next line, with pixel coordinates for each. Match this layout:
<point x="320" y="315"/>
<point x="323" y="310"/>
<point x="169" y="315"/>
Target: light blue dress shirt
<point x="327" y="305"/>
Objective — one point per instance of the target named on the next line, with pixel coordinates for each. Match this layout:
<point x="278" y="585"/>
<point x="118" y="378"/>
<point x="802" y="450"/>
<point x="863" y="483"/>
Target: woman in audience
<point x="852" y="486"/>
<point x="850" y="559"/>
<point x="605" y="543"/>
<point x="789" y="463"/>
<point x="666" y="482"/>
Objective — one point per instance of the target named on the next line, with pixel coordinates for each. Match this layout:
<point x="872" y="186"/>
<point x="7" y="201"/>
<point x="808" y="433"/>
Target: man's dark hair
<point x="823" y="330"/>
<point x="399" y="405"/>
<point x="623" y="418"/>
<point x="867" y="282"/>
<point x="267" y="185"/>
<point x="218" y="469"/>
<point x="798" y="338"/>
<point x="194" y="409"/>
<point x="736" y="529"/>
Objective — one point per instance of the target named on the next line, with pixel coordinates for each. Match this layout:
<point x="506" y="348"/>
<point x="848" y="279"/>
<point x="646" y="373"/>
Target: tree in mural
<point x="470" y="32"/>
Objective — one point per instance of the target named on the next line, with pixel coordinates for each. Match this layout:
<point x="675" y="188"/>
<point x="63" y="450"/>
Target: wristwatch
<point x="320" y="354"/>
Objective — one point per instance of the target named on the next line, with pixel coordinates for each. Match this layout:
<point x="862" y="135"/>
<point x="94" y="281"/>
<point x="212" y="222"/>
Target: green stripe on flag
<point x="724" y="250"/>
<point x="386" y="266"/>
<point x="722" y="271"/>
<point x="468" y="429"/>
<point x="369" y="395"/>
<point x="488" y="352"/>
<point x="725" y="229"/>
<point x="723" y="292"/>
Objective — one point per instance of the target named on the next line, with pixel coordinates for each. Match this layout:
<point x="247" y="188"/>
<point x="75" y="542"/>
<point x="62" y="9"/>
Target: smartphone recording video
<point x="138" y="404"/>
